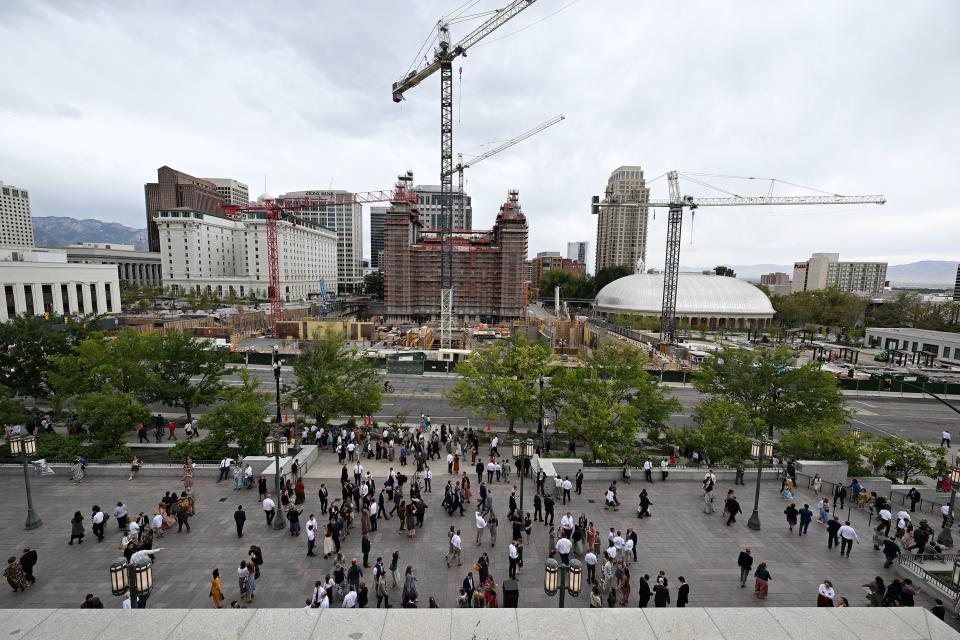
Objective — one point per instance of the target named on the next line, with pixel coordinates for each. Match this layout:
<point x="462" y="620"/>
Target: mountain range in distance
<point x="59" y="231"/>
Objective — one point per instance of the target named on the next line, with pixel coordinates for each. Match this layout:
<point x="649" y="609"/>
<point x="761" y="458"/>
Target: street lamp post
<point x="759" y="450"/>
<point x="26" y="447"/>
<point x="276" y="447"/>
<point x="277" y="363"/>
<point x="540" y="415"/>
<point x="946" y="537"/>
<point x="135" y="578"/>
<point x="562" y="577"/>
<point x="522" y="452"/>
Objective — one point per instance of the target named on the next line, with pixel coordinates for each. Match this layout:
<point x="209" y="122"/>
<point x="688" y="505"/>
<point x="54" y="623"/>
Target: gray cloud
<point x="854" y="97"/>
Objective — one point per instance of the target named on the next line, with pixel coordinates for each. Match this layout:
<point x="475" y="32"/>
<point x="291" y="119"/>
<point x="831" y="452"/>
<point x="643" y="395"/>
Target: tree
<point x="332" y="381"/>
<point x="373" y="284"/>
<point x="609" y="400"/>
<point x="722" y="270"/>
<point x="502" y="378"/>
<point x="12" y="410"/>
<point x="241" y="417"/>
<point x="572" y="284"/>
<point x="780" y="395"/>
<point x="110" y="416"/>
<point x="723" y="431"/>
<point x="28" y="345"/>
<point x="608" y="274"/>
<point x="822" y="442"/>
<point x="902" y="458"/>
<point x="120" y="363"/>
<point x="186" y="372"/>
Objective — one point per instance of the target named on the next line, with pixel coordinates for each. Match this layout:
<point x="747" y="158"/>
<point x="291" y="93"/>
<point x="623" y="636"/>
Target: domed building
<point x="709" y="301"/>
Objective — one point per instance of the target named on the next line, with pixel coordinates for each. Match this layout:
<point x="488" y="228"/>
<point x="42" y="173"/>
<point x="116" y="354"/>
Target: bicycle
<point x="389" y="388"/>
<point x="43" y="468"/>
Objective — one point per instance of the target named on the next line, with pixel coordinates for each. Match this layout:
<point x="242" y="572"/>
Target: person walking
<point x="480" y="523"/>
<point x="745" y="562"/>
<point x="455" y="549"/>
<point x="826" y="594"/>
<point x="269" y="509"/>
<point x="683" y="592"/>
<point x="733" y="508"/>
<point x="762" y="576"/>
<point x="239" y="517"/>
<point x="216" y="589"/>
<point x="806" y="517"/>
<point x="28" y="561"/>
<point x="76" y="528"/>
<point x="513" y="554"/>
<point x="792" y="515"/>
<point x="578" y="480"/>
<point x="833" y="530"/>
<point x="890" y="550"/>
<point x="15" y="576"/>
<point x="848" y="535"/>
<point x="945" y="439"/>
<point x="740" y="471"/>
<point x="312" y="539"/>
<point x="643" y="595"/>
<point x="648" y="470"/>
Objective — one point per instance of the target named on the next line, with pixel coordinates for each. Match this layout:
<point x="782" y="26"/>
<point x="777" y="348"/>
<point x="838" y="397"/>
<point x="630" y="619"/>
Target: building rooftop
<point x="696" y="293"/>
<point x="918" y="333"/>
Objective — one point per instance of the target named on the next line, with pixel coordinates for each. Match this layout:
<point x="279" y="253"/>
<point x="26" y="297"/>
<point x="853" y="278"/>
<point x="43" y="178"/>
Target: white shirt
<point x="269" y="504"/>
<point x="350" y="600"/>
<point x="157" y="521"/>
<point x="98" y="517"/>
<point x="312" y="521"/>
<point x="428" y="475"/>
<point x="945" y="435"/>
<point x="564" y="545"/>
<point x="491" y="466"/>
<point x="590" y="558"/>
<point x="324" y="601"/>
<point x="848" y="533"/>
<point x="311" y="533"/>
<point x="885" y="514"/>
<point x="513" y="552"/>
<point x="611" y="553"/>
<point x="358" y="470"/>
<point x="495" y="442"/>
<point x="945" y="509"/>
<point x="374" y="508"/>
<point x="145" y="554"/>
<point x="481" y="523"/>
<point x="351" y="447"/>
<point x="567" y="485"/>
<point x="610" y="495"/>
<point x="647" y="465"/>
<point x="449" y="458"/>
<point x="628" y="545"/>
<point x="134" y="528"/>
<point x="455" y="541"/>
<point x="618" y="542"/>
<point x="903" y="515"/>
<point x="566" y="522"/>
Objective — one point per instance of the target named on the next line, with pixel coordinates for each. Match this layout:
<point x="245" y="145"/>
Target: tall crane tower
<point x="443" y="56"/>
<point x="276" y="210"/>
<point x="675" y="206"/>
<point x="461" y="165"/>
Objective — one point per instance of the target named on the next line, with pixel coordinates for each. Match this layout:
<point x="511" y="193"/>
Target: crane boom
<point x="692" y="203"/>
<point x="509" y="143"/>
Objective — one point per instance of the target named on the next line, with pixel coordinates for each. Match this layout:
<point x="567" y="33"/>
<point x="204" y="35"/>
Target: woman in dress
<point x="762" y="576"/>
<point x="490" y="594"/>
<point x="237" y="477"/>
<point x="817" y="484"/>
<point x="15" y="576"/>
<point x="826" y="594"/>
<point x="77" y="472"/>
<point x="411" y="517"/>
<point x="262" y="486"/>
<point x="593" y="538"/>
<point x="134" y="467"/>
<point x="328" y="546"/>
<point x="250" y="591"/>
<point x="625" y="587"/>
<point x="216" y="589"/>
<point x="188" y="475"/>
<point x="76" y="528"/>
<point x="456" y="464"/>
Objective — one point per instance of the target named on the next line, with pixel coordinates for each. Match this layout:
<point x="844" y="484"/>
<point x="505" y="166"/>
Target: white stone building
<point x="218" y="256"/>
<point x="942" y="345"/>
<point x="16" y="223"/>
<point x="134" y="268"/>
<point x="346" y="218"/>
<point x="38" y="283"/>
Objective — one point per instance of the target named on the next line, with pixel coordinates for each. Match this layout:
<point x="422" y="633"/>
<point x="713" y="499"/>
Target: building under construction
<point x="488" y="267"/>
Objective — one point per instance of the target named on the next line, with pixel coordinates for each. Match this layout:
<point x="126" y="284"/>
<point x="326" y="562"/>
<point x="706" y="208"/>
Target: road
<point x="919" y="418"/>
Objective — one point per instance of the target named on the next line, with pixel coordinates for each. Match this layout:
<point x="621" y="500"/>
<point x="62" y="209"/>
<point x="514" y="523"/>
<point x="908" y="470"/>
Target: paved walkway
<point x="679" y="539"/>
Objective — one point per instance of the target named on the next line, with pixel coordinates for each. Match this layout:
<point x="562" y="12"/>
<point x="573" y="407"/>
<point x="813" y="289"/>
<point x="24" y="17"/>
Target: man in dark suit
<point x="733" y="508"/>
<point x="240" y="517"/>
<point x="469" y="588"/>
<point x="643" y="595"/>
<point x="683" y="592"/>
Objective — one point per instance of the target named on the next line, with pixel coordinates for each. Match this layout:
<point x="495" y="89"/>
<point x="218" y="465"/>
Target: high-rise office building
<point x="622" y="227"/>
<point x="825" y="270"/>
<point x="16" y="223"/>
<point x="429" y="199"/>
<point x="231" y="191"/>
<point x="377" y="216"/>
<point x="956" y="286"/>
<point x="578" y="251"/>
<point x="339" y="212"/>
<point x="175" y="189"/>
<point x="547" y="260"/>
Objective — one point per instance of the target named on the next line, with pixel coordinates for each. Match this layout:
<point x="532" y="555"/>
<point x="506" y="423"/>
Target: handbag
<point x="476" y="566"/>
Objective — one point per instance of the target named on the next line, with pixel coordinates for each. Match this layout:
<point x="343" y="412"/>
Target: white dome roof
<point x="697" y="294"/>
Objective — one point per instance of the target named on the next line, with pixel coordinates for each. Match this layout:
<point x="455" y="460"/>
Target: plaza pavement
<point x="679" y="539"/>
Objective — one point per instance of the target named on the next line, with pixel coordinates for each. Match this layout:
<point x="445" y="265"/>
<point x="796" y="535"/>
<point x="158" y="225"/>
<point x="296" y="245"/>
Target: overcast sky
<point x="850" y="97"/>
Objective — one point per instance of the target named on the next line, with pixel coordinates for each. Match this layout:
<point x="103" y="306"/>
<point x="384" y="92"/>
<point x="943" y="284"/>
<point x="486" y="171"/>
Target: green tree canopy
<point x="28" y="345"/>
<point x="501" y="378"/>
<point x="333" y="382"/>
<point x="723" y="431"/>
<point x="822" y="442"/>
<point x="186" y="372"/>
<point x="609" y="400"/>
<point x="373" y="284"/>
<point x="766" y="383"/>
<point x="722" y="270"/>
<point x="907" y="458"/>
<point x="110" y="416"/>
<point x="120" y="363"/>
<point x="829" y="307"/>
<point x="572" y="285"/>
<point x="608" y="274"/>
<point x="241" y="416"/>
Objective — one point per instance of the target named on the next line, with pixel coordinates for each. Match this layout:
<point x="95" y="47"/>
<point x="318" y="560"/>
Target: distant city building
<point x="488" y="267"/>
<point x="622" y="229"/>
<point x="231" y="191"/>
<point x="134" y="268"/>
<point x="956" y="286"/>
<point x="777" y="283"/>
<point x="346" y="218"/>
<point x="377" y="216"/>
<point x="16" y="223"/>
<point x="177" y="189"/>
<point x="824" y="270"/>
<point x="42" y="282"/>
<point x="205" y="253"/>
<point x="578" y="251"/>
<point x="429" y="200"/>
<point x="941" y="345"/>
<point x="547" y="260"/>
<point x="528" y="265"/>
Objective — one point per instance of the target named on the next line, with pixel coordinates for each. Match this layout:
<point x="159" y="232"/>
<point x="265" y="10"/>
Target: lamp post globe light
<point x="277" y="364"/>
<point x="946" y="537"/>
<point x="26" y="447"/>
<point x="522" y="453"/>
<point x="759" y="449"/>
<point x="276" y="447"/>
<point x="135" y="578"/>
<point x="562" y="578"/>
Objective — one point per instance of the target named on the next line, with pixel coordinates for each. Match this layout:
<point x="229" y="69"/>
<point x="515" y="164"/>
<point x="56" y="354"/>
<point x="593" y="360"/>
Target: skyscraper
<point x="231" y="191"/>
<point x="346" y="218"/>
<point x="956" y="286"/>
<point x="377" y="215"/>
<point x="177" y="189"/>
<point x="622" y="227"/>
<point x="16" y="223"/>
<point x="429" y="203"/>
<point x="578" y="251"/>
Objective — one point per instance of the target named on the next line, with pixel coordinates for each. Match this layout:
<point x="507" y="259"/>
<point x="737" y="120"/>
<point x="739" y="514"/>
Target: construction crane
<point x="286" y="210"/>
<point x="675" y="206"/>
<point x="443" y="56"/>
<point x="461" y="165"/>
